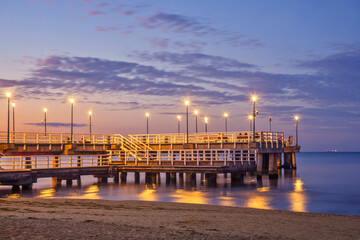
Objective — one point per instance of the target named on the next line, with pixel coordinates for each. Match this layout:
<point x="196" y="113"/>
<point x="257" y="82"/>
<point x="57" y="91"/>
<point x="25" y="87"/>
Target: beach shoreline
<point x="107" y="219"/>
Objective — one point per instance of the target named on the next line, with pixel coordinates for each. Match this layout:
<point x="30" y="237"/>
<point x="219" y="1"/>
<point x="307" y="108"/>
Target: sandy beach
<point x="101" y="219"/>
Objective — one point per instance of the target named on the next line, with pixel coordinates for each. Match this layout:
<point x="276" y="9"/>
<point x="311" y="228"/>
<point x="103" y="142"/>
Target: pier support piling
<point x="137" y="177"/>
<point x="123" y="177"/>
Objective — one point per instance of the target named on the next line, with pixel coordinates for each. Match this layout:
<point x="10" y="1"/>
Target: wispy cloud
<point x="57" y="124"/>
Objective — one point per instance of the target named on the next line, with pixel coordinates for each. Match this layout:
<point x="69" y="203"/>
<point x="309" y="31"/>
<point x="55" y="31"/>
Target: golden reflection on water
<point x="14" y="195"/>
<point x="91" y="192"/>
<point x="258" y="201"/>
<point x="183" y="196"/>
<point x="47" y="193"/>
<point x="227" y="201"/>
<point x="148" y="195"/>
<point x="263" y="189"/>
<point x="298" y="198"/>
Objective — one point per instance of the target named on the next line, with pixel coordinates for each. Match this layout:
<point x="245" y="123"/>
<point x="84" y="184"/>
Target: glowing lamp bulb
<point x="196" y="112"/>
<point x="90" y="113"/>
<point x="13" y="104"/>
<point x="226" y="115"/>
<point x="253" y="98"/>
<point x="45" y="109"/>
<point x="147" y="114"/>
<point x="187" y="102"/>
<point x="206" y="120"/>
<point x="179" y="117"/>
<point x="8" y="94"/>
<point x="72" y="100"/>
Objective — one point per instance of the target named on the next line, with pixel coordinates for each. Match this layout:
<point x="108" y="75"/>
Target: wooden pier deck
<point x="36" y="155"/>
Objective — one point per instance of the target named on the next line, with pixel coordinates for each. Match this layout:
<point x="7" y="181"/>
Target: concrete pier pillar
<point x="78" y="180"/>
<point x="237" y="179"/>
<point x="181" y="180"/>
<point x="147" y="178"/>
<point x="173" y="178"/>
<point x="137" y="177"/>
<point x="210" y="179"/>
<point x="26" y="186"/>
<point x="293" y="160"/>
<point x="102" y="180"/>
<point x="193" y="180"/>
<point x="69" y="182"/>
<point x="167" y="178"/>
<point x="123" y="177"/>
<point x="15" y="188"/>
<point x="158" y="178"/>
<point x="273" y="173"/>
<point x="259" y="163"/>
<point x="56" y="182"/>
<point x="287" y="160"/>
<point x="278" y="160"/>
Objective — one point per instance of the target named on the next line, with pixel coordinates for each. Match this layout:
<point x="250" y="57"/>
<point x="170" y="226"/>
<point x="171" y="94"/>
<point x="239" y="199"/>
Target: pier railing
<point x="194" y="157"/>
<point x="52" y="161"/>
<point x="269" y="139"/>
<point x="58" y="138"/>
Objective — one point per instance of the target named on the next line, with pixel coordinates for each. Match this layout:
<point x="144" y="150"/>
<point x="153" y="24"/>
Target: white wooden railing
<point x="268" y="138"/>
<point x="52" y="161"/>
<point x="58" y="138"/>
<point x="199" y="157"/>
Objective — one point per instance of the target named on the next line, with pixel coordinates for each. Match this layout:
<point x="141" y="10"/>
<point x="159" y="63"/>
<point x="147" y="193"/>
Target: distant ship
<point x="332" y="150"/>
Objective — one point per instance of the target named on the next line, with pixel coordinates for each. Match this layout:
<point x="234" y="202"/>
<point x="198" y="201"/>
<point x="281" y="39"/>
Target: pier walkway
<point x="29" y="156"/>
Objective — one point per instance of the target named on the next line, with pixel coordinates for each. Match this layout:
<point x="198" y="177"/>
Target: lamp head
<point x="72" y="100"/>
<point x="250" y="117"/>
<point x="147" y="114"/>
<point x="13" y="104"/>
<point x="90" y="113"/>
<point x="8" y="94"/>
<point x="196" y="112"/>
<point x="296" y="117"/>
<point x="187" y="102"/>
<point x="226" y="115"/>
<point x="45" y="109"/>
<point x="253" y="98"/>
<point x="206" y="119"/>
<point x="179" y="117"/>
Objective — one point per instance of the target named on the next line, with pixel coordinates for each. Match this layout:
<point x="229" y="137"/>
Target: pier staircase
<point x="131" y="147"/>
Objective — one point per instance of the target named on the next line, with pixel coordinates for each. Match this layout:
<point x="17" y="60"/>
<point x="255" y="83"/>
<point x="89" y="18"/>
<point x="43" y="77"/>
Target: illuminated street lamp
<point x="250" y="120"/>
<point x="254" y="113"/>
<point x="196" y="116"/>
<point x="45" y="111"/>
<point x="270" y="122"/>
<point x="72" y="100"/>
<point x="90" y="123"/>
<point x="296" y="126"/>
<point x="13" y="107"/>
<point x="147" y="123"/>
<point x="8" y="94"/>
<point x="226" y="115"/>
<point x="187" y="102"/>
<point x="206" y="122"/>
<point x="179" y="120"/>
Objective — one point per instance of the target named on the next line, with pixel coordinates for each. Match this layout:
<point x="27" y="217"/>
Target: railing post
<point x="197" y="158"/>
<point x="13" y="162"/>
<point x="21" y="162"/>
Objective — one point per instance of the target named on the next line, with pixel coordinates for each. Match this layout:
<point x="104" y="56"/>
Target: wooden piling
<point x="123" y="177"/>
<point x="137" y="177"/>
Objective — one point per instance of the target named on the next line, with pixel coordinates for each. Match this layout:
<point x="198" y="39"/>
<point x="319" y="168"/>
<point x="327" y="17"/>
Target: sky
<point x="121" y="59"/>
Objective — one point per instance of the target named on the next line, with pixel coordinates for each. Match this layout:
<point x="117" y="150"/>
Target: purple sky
<point x="120" y="60"/>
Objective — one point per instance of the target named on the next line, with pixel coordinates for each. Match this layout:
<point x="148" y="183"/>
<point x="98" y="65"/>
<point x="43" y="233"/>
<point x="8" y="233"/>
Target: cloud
<point x="57" y="124"/>
<point x="105" y="29"/>
<point x="95" y="12"/>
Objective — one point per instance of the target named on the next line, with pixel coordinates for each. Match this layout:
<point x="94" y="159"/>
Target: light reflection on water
<point x="307" y="189"/>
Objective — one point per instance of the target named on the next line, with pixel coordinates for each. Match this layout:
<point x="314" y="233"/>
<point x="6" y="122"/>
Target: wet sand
<point x="101" y="219"/>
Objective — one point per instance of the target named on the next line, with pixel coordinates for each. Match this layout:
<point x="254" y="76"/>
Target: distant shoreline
<point x="109" y="219"/>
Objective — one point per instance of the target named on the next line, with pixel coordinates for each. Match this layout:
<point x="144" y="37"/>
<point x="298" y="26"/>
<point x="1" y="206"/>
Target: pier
<point x="29" y="156"/>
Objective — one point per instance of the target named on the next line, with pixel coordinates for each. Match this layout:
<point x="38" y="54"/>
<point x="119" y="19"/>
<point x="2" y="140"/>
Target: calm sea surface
<point x="323" y="182"/>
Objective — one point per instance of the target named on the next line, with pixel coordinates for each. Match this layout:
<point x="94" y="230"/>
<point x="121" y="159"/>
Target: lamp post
<point x="206" y="122"/>
<point x="270" y="122"/>
<point x="187" y="102"/>
<point x="147" y="123"/>
<point x="226" y="117"/>
<point x="254" y="115"/>
<point x="250" y="120"/>
<point x="179" y="120"/>
<point x="90" y="123"/>
<point x="296" y="126"/>
<point x="8" y="94"/>
<point x="13" y="116"/>
<point x="196" y="116"/>
<point x="72" y="100"/>
<point x="45" y="111"/>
